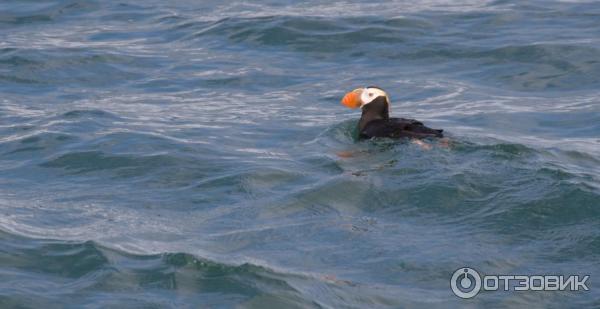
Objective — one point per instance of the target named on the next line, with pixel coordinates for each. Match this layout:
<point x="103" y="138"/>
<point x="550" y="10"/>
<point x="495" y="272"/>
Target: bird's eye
<point x="370" y="94"/>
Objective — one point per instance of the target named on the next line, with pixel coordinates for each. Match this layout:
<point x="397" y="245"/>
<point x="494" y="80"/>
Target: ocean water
<point x="192" y="154"/>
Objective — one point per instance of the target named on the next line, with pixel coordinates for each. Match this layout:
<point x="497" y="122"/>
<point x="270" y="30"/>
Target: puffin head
<point x="360" y="97"/>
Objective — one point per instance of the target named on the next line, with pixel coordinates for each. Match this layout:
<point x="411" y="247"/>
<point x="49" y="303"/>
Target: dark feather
<point x="398" y="128"/>
<point x="375" y="122"/>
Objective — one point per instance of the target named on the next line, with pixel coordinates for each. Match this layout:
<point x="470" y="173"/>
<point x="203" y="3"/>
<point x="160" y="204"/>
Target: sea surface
<point x="194" y="154"/>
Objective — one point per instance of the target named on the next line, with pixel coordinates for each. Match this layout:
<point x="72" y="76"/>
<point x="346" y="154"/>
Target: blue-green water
<point x="184" y="154"/>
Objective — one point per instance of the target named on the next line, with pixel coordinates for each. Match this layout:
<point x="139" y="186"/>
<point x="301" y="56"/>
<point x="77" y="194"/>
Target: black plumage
<point x="375" y="122"/>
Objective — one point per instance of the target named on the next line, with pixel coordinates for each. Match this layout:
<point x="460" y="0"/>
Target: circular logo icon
<point x="465" y="282"/>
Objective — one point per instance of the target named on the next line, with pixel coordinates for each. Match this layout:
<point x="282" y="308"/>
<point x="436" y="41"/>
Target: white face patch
<point x="369" y="94"/>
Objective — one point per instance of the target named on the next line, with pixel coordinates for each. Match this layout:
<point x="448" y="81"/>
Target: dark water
<point x="185" y="154"/>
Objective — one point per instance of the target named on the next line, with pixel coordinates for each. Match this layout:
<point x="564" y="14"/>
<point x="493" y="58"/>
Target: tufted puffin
<point x="375" y="120"/>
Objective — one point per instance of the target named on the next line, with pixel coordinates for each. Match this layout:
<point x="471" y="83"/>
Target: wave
<point x="173" y="153"/>
<point x="53" y="270"/>
<point x="482" y="57"/>
<point x="52" y="67"/>
<point x="521" y="66"/>
<point x="506" y="177"/>
<point x="44" y="12"/>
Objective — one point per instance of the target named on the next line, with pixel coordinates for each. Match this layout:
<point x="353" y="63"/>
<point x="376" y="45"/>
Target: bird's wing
<point x="398" y="128"/>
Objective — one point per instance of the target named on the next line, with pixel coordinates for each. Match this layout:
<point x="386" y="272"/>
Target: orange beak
<point x="352" y="99"/>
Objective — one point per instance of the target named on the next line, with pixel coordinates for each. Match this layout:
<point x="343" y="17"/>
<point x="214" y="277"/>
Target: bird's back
<point x="398" y="128"/>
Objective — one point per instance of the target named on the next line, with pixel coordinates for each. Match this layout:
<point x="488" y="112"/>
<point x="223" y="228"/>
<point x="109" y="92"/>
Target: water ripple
<point x="168" y="154"/>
